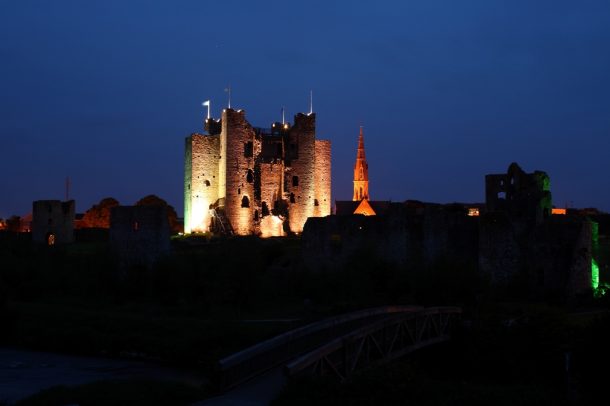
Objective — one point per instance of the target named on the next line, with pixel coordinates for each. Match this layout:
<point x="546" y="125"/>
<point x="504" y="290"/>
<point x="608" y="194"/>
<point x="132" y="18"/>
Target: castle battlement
<point x="251" y="180"/>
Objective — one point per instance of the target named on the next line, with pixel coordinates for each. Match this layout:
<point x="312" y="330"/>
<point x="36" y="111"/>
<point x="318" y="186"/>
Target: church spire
<point x="361" y="172"/>
<point x="361" y="146"/>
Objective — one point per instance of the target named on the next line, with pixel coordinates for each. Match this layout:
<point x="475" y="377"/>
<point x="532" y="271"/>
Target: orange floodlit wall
<point x="473" y="212"/>
<point x="561" y="212"/>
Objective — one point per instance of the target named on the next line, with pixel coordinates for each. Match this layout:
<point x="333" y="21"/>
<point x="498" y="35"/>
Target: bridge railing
<point x="376" y="343"/>
<point x="253" y="361"/>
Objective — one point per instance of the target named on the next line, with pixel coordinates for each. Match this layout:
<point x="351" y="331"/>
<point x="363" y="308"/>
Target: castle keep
<point x="244" y="180"/>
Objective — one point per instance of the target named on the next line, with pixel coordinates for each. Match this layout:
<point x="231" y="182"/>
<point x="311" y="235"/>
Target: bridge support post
<point x="347" y="359"/>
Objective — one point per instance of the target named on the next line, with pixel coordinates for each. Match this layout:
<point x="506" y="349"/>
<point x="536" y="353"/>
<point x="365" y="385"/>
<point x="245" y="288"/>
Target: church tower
<point x="361" y="172"/>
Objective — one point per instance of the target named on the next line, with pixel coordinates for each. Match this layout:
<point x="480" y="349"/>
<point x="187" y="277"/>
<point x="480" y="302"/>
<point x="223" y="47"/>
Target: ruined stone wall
<point x="328" y="243"/>
<point x="201" y="180"/>
<point x="235" y="172"/>
<point x="574" y="237"/>
<point x="239" y="171"/>
<point x="301" y="196"/>
<point x="139" y="235"/>
<point x="500" y="254"/>
<point x="522" y="245"/>
<point x="52" y="217"/>
<point x="449" y="233"/>
<point x="550" y="260"/>
<point x="524" y="195"/>
<point x="271" y="182"/>
<point x="397" y="237"/>
<point x="580" y="276"/>
<point x="322" y="203"/>
<point x="558" y="257"/>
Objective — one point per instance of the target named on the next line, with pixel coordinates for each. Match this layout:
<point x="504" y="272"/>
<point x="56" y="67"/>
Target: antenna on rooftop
<point x="67" y="188"/>
<point x="310" y="101"/>
<point x="283" y="120"/>
<point x="228" y="89"/>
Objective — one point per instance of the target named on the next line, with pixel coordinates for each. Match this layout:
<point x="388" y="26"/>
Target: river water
<point x="23" y="373"/>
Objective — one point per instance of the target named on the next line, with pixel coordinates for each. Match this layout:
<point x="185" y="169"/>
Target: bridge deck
<point x="341" y="344"/>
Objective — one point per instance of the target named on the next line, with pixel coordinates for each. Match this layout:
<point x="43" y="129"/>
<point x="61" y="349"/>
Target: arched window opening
<point x="50" y="239"/>
<point x="245" y="202"/>
<point x="315" y="202"/>
<point x="265" y="209"/>
<point x="295" y="181"/>
<point x="250" y="176"/>
<point x="207" y="182"/>
<point x="292" y="198"/>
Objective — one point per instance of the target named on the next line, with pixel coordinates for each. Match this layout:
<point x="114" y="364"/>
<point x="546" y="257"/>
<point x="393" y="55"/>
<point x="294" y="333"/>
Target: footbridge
<point x="340" y="345"/>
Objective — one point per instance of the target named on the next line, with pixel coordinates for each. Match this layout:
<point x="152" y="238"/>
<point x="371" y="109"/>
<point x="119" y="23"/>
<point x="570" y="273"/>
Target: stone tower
<point x="361" y="172"/>
<point x="53" y="222"/>
<point x="243" y="180"/>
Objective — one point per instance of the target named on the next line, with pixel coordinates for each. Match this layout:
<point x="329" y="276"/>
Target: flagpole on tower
<point x="283" y="120"/>
<point x="310" y="101"/>
<point x="207" y="103"/>
<point x="228" y="89"/>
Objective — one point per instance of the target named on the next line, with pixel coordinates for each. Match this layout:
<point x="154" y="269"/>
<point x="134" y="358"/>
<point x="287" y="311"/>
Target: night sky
<point x="447" y="91"/>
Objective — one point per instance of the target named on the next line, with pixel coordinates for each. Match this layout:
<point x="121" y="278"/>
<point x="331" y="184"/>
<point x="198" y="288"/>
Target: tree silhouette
<point x="172" y="217"/>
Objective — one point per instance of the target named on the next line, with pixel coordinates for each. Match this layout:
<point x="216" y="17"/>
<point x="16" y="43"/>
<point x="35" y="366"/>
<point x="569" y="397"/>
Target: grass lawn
<point x="136" y="332"/>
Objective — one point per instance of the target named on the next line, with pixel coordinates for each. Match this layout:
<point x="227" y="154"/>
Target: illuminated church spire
<point x="361" y="172"/>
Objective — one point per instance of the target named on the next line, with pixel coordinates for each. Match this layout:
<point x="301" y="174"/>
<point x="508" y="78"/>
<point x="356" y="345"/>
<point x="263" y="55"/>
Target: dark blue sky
<point x="447" y="91"/>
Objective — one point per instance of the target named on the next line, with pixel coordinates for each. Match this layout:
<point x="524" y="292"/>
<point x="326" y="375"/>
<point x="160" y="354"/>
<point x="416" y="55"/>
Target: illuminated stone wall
<point x="271" y="187"/>
<point x="239" y="195"/>
<point x="201" y="180"/>
<point x="264" y="192"/>
<point x="302" y="195"/>
<point x="322" y="179"/>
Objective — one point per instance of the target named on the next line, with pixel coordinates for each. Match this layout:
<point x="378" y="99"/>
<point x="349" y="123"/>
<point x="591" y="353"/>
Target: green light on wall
<point x="594" y="274"/>
<point x="595" y="251"/>
<point x="546" y="184"/>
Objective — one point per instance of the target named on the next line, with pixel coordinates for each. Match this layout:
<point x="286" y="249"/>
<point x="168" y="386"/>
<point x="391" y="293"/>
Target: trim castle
<point x="245" y="180"/>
